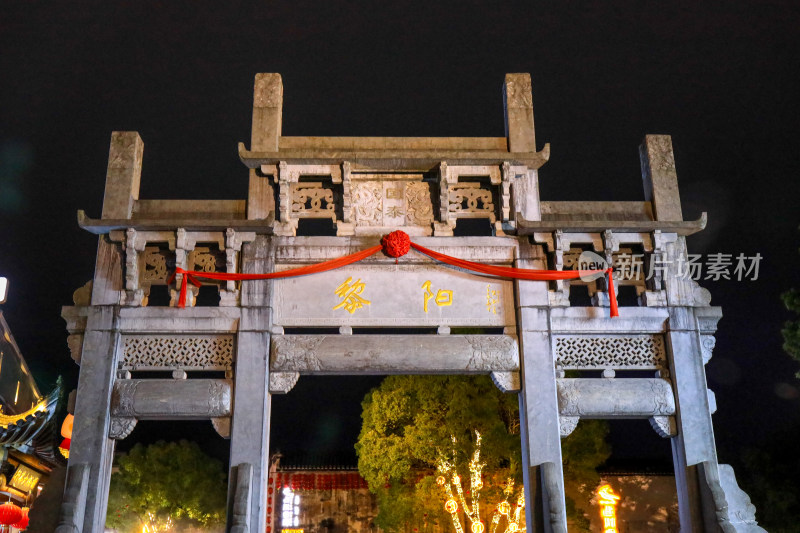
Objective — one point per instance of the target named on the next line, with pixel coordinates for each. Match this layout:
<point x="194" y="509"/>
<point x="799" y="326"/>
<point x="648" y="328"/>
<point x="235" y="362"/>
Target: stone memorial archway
<point x="265" y="333"/>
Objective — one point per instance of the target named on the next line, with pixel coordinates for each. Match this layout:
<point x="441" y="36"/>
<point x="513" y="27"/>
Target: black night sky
<point x="721" y="78"/>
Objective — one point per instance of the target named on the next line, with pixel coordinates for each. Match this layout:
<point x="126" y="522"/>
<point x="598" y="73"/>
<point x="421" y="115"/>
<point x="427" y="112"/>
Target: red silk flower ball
<point x="396" y="244"/>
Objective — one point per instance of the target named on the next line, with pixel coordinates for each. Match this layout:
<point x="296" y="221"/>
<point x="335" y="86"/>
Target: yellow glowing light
<point x="477" y="527"/>
<point x="451" y="506"/>
<point x="16" y="394"/>
<point x="440" y="480"/>
<point x="6" y="420"/>
<point x="456" y="479"/>
<point x="512" y="527"/>
<point x="504" y="508"/>
<point x="24" y="479"/>
<point x="608" y="512"/>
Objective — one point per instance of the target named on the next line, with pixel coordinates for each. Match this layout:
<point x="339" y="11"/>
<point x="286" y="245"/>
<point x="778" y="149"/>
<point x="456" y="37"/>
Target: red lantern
<point x="10" y="514"/>
<point x="22" y="524"/>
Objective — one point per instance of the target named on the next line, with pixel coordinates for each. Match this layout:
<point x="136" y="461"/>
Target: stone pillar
<point x="694" y="444"/>
<point x="539" y="419"/>
<point x="659" y="177"/>
<point x="518" y="103"/>
<point x="90" y="443"/>
<point x="251" y="405"/>
<point x="123" y="175"/>
<point x="267" y="112"/>
<point x="265" y="136"/>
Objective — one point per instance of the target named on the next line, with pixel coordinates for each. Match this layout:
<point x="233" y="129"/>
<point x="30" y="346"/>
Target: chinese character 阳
<point x="443" y="297"/>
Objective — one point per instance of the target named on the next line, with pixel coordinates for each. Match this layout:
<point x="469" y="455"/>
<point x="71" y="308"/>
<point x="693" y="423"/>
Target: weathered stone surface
<point x="171" y="399"/>
<point x="282" y="382"/>
<point x="659" y="177"/>
<point x="267" y="112"/>
<point x="393" y="354"/>
<point x="741" y="511"/>
<point x="392" y="296"/>
<point x="615" y="398"/>
<point x="518" y="100"/>
<point x="124" y="174"/>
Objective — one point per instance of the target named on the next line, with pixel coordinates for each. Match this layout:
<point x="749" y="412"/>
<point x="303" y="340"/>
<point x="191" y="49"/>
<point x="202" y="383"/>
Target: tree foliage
<point x="791" y="328"/>
<point x="407" y="424"/>
<point x="173" y="481"/>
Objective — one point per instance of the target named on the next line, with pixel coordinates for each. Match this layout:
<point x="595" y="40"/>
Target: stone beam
<point x="615" y="398"/>
<point x="394" y="354"/>
<point x="171" y="399"/>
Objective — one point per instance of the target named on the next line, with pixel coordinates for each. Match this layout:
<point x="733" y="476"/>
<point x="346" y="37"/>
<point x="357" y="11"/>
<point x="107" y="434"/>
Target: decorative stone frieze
<point x="186" y="352"/>
<point x="618" y="352"/>
<point x="395" y="354"/>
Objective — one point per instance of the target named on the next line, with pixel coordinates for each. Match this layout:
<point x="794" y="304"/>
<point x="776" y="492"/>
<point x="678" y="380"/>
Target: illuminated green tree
<point x="166" y="483"/>
<point x="408" y="425"/>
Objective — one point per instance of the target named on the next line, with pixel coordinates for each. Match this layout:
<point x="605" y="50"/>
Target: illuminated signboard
<point x="608" y="508"/>
<point x="292" y="530"/>
<point x="24" y="479"/>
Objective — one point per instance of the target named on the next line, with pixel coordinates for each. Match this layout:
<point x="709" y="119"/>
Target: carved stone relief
<point x="282" y="382"/>
<point x="665" y="426"/>
<point x="368" y="203"/>
<point x="490" y="352"/>
<point x="611" y="351"/>
<point x="394" y="354"/>
<point x="707" y="343"/>
<point x="615" y="398"/>
<point x="75" y="344"/>
<point x="207" y="352"/>
<point x="506" y="381"/>
<point x="470" y="200"/>
<point x="169" y="399"/>
<point x="312" y="200"/>
<point x="121" y="427"/>
<point x="296" y="352"/>
<point x="567" y="424"/>
<point x="419" y="210"/>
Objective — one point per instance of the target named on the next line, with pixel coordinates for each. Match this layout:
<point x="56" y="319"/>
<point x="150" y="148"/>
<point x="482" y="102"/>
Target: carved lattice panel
<point x="162" y="352"/>
<point x="155" y="265"/>
<point x="621" y="352"/>
<point x="470" y="200"/>
<point x="312" y="200"/>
